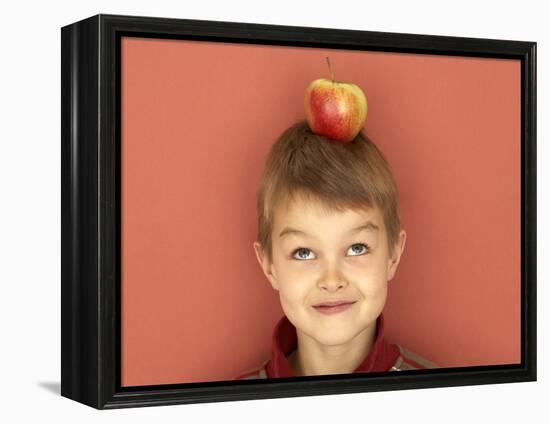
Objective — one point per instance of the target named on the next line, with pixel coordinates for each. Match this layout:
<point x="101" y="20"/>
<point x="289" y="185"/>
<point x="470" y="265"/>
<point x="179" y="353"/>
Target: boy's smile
<point x="334" y="307"/>
<point x="331" y="270"/>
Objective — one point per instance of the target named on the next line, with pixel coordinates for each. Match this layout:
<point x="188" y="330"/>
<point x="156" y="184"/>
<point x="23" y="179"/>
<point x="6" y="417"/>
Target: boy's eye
<point x="302" y="253"/>
<point x="358" y="249"/>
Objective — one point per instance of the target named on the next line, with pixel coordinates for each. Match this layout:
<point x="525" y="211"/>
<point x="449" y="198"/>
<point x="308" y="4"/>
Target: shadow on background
<point x="51" y="386"/>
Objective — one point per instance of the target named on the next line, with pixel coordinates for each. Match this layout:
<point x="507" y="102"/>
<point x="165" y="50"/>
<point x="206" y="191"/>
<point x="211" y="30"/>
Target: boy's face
<point x="321" y="256"/>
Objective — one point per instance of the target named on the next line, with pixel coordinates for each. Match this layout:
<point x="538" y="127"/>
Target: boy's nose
<point x="332" y="278"/>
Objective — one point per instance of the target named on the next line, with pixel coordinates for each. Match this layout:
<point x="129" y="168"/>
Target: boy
<point x="329" y="240"/>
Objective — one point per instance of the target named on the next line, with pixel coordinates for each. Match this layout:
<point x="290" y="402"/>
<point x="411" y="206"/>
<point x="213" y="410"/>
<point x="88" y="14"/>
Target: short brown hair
<point x="339" y="176"/>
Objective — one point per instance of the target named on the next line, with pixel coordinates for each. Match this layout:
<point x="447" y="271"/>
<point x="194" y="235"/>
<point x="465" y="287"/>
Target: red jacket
<point x="382" y="357"/>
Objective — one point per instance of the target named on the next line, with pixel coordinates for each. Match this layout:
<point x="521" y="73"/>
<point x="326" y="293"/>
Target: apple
<point x="335" y="109"/>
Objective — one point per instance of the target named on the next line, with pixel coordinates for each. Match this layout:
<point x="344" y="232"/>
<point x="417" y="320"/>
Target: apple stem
<point x="330" y="69"/>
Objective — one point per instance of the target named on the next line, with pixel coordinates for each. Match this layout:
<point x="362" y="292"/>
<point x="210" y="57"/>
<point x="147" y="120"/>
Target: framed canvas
<point x="167" y="125"/>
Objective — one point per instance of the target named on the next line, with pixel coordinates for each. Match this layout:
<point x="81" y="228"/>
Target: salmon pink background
<point x="198" y="119"/>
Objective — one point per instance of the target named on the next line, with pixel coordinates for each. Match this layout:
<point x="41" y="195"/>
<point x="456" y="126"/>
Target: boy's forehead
<point x="303" y="211"/>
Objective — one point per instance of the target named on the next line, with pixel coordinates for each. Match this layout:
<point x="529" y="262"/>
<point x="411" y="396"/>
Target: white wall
<point x="30" y="208"/>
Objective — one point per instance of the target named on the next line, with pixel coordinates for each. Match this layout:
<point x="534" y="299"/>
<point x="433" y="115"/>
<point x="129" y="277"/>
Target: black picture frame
<point x="90" y="206"/>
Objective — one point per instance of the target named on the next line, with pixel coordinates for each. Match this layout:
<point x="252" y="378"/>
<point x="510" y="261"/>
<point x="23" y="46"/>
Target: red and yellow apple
<point x="335" y="109"/>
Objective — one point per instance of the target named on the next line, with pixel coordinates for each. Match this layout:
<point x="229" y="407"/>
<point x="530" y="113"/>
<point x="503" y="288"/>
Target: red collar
<point x="381" y="357"/>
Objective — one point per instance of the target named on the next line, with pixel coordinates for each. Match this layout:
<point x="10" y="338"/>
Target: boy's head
<point x="328" y="230"/>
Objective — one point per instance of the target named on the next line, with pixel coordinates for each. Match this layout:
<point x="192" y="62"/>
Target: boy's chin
<point x="338" y="334"/>
<point x="332" y="336"/>
<point x="336" y="339"/>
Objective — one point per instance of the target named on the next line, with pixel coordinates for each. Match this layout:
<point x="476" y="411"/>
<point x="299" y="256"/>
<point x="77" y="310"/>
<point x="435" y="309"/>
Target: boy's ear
<point x="396" y="254"/>
<point x="266" y="264"/>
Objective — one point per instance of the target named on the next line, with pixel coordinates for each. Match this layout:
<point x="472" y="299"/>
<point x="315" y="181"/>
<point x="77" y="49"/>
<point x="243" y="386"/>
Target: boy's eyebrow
<point x="368" y="226"/>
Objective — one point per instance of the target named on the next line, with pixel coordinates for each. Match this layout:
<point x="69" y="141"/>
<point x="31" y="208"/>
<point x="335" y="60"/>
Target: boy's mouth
<point x="334" y="303"/>
<point x="334" y="307"/>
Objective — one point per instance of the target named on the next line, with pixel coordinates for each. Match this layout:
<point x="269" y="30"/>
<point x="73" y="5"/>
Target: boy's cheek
<point x="375" y="292"/>
<point x="297" y="278"/>
<point x="292" y="299"/>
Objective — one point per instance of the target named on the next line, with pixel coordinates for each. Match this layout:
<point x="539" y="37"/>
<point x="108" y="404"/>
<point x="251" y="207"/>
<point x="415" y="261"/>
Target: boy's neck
<point x="312" y="358"/>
